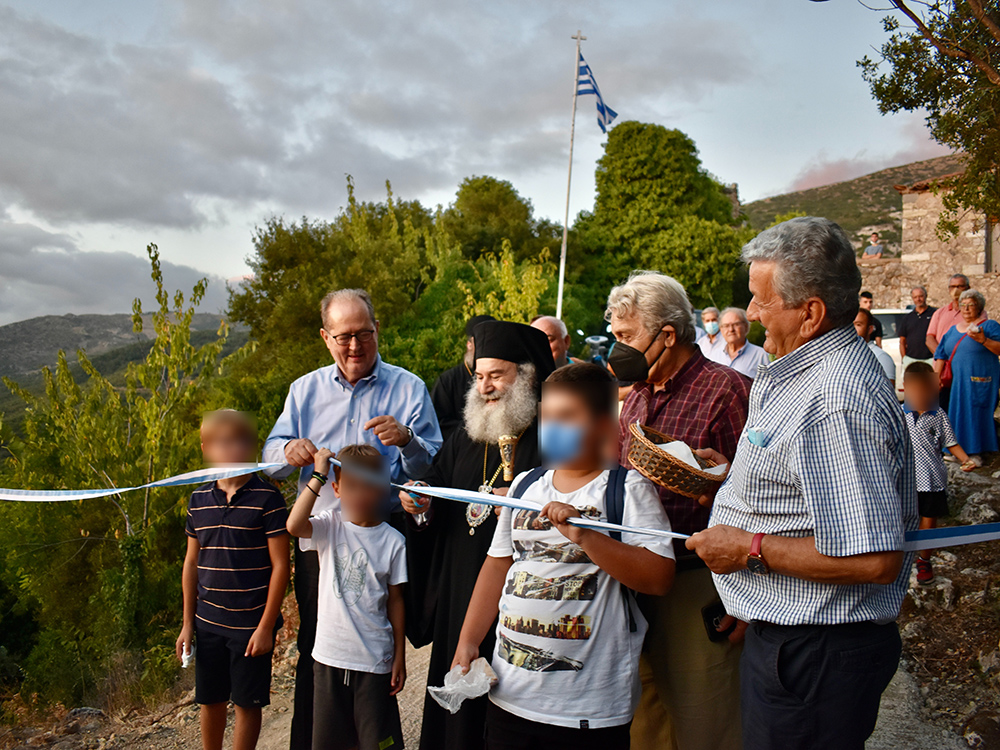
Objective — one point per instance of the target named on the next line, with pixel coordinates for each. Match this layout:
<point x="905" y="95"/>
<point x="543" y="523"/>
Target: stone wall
<point x="926" y="260"/>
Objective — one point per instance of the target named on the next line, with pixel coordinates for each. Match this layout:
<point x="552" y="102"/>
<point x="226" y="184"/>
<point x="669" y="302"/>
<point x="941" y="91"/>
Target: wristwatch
<point x="755" y="561"/>
<point x="409" y="431"/>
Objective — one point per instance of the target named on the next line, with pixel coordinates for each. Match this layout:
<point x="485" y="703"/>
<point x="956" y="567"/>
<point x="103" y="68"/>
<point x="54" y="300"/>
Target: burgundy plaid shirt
<point x="705" y="405"/>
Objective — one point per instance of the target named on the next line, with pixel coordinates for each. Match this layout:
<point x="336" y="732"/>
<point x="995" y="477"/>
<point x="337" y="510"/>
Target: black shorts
<point x="505" y="731"/>
<point x="222" y="672"/>
<point x="354" y="709"/>
<point x="933" y="504"/>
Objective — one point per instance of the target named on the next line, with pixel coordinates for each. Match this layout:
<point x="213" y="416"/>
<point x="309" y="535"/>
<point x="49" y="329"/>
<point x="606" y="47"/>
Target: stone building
<point x="928" y="261"/>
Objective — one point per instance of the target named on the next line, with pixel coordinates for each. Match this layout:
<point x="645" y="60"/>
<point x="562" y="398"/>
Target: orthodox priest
<point x="447" y="541"/>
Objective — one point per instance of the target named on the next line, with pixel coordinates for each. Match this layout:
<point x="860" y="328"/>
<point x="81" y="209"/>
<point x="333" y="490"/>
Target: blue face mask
<point x="560" y="442"/>
<point x="712" y="327"/>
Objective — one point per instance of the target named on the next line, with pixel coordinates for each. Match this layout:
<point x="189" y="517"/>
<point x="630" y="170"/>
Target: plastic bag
<point x="457" y="686"/>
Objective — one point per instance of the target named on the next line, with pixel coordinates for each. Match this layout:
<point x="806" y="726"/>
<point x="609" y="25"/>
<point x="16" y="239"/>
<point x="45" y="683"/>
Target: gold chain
<point x="486" y="450"/>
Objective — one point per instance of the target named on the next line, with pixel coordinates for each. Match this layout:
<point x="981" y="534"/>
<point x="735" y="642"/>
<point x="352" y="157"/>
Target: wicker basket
<point x="669" y="472"/>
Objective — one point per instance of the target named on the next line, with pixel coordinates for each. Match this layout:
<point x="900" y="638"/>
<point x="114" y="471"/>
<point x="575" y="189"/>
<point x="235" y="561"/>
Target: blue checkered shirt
<point x="825" y="453"/>
<point x="931" y="433"/>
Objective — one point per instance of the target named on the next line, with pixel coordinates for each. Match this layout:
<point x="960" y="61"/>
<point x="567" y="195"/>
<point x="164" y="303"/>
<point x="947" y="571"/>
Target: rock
<point x="975" y="573"/>
<point x="990" y="662"/>
<point x="978" y="509"/>
<point x="976" y="597"/>
<point x="939" y="594"/>
<point x="911" y="630"/>
<point x="966" y="478"/>
<point x="87" y="711"/>
<point x="982" y="731"/>
<point x="944" y="558"/>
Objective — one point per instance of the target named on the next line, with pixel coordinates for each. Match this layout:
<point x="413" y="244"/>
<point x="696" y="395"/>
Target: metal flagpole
<point x="569" y="176"/>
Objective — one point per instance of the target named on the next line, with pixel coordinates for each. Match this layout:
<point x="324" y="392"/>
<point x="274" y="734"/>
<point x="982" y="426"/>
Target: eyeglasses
<point x="344" y="339"/>
<point x="731" y="326"/>
<point x="968" y="306"/>
<point x="958" y="286"/>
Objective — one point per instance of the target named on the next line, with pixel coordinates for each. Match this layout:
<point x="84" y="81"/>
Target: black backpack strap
<point x="614" y="508"/>
<point x="533" y="476"/>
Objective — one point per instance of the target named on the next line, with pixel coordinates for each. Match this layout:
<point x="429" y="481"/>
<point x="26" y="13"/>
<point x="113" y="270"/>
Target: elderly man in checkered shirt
<point x="806" y="534"/>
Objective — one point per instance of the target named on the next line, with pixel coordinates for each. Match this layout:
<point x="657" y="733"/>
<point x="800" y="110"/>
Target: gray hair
<point x="711" y="310"/>
<point x="962" y="276"/>
<point x="346" y="295"/>
<point x="974" y="294"/>
<point x="563" y="330"/>
<point x="921" y="288"/>
<point x="814" y="258"/>
<point x="659" y="300"/>
<point x="739" y="312"/>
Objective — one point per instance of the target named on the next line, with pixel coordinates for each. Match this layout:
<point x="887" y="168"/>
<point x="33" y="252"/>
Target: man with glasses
<point x="357" y="399"/>
<point x="945" y="317"/>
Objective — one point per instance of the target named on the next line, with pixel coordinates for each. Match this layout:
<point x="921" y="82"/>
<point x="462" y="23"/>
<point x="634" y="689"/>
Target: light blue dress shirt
<point x="746" y="361"/>
<point x="325" y="408"/>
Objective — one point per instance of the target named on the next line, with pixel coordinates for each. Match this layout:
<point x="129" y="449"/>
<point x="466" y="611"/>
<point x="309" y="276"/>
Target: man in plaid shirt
<point x="691" y="687"/>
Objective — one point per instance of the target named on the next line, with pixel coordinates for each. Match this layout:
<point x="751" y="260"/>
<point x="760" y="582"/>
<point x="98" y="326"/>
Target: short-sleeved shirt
<point x="874" y="250"/>
<point x="826" y="454"/>
<point x="931" y="434"/>
<point x="914" y="329"/>
<point x="705" y="405"/>
<point x="234" y="563"/>
<point x="357" y="565"/>
<point x="565" y="654"/>
<point x="747" y="359"/>
<point x="877" y="333"/>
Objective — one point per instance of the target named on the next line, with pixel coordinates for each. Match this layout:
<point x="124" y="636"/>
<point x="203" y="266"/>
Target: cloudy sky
<point x="187" y="122"/>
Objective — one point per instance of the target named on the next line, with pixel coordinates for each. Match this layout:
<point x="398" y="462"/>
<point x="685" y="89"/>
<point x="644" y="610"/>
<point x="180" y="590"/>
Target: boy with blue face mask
<point x="569" y="633"/>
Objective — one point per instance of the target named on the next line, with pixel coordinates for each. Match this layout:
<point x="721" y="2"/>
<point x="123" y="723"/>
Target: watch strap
<point x="755" y="544"/>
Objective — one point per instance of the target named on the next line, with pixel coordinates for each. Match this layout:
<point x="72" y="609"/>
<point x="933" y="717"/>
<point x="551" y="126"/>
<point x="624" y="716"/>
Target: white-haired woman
<point x="972" y="346"/>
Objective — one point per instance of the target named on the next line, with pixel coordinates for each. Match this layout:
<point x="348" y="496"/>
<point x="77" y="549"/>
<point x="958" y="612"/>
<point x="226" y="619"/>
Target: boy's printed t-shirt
<point x="234" y="564"/>
<point x="357" y="565"/>
<point x="931" y="434"/>
<point x="564" y="653"/>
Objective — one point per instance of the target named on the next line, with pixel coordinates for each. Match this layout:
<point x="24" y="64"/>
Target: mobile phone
<point x="712" y="615"/>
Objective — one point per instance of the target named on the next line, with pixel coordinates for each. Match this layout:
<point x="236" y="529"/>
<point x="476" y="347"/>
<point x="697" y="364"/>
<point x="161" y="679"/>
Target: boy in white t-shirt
<point x="569" y="632"/>
<point x="359" y="654"/>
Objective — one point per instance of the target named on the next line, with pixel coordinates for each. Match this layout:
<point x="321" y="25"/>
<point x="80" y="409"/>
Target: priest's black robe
<point x="448" y="397"/>
<point x="444" y="562"/>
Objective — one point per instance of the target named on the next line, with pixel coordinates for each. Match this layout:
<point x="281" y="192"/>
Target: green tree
<point x="508" y="290"/>
<point x="101" y="577"/>
<point x="946" y="64"/>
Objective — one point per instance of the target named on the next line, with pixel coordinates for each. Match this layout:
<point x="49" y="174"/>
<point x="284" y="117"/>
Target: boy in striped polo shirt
<point x="235" y="577"/>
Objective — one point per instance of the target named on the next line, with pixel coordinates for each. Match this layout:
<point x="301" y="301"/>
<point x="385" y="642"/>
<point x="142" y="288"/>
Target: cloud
<point x="255" y="104"/>
<point x="826" y="171"/>
<point x="45" y="273"/>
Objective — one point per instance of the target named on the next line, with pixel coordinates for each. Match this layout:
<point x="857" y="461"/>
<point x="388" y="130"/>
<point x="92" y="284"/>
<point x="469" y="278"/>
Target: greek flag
<point x="587" y="84"/>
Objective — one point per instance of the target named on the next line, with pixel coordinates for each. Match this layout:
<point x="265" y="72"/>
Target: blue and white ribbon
<point x="951" y="536"/>
<point x="192" y="477"/>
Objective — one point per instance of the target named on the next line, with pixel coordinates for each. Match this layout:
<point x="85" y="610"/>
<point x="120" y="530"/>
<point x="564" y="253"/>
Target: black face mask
<point x="629" y="363"/>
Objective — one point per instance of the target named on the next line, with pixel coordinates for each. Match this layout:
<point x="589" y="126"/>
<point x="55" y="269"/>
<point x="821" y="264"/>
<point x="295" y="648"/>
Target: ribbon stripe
<point x="914" y="540"/>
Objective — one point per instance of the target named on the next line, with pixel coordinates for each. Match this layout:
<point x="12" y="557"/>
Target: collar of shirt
<point x="810" y="353"/>
<point x="219" y="495"/>
<point x="371" y="377"/>
<point x="687" y="374"/>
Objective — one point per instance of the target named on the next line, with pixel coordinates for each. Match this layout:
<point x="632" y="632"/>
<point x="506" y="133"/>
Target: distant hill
<point x="861" y="205"/>
<point x="29" y="345"/>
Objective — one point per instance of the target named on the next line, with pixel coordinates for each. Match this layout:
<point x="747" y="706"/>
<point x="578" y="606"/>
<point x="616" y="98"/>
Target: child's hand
<point x="398" y="676"/>
<point x="184" y="642"/>
<point x="465" y="654"/>
<point x="321" y="460"/>
<point x="559" y="514"/>
<point x="261" y="642"/>
<point x="969" y="465"/>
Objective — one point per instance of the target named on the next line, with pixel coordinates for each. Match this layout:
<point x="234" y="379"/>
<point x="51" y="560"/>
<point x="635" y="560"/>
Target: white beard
<point x="488" y="418"/>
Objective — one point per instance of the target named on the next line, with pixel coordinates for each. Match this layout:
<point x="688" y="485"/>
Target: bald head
<point x="555" y="330"/>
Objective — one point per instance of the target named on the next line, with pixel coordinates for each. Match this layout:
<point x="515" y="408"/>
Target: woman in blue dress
<point x="973" y="344"/>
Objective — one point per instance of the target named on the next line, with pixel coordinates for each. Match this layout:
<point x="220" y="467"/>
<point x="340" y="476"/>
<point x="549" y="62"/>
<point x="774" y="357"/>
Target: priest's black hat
<point x="514" y="342"/>
<point x="475" y="320"/>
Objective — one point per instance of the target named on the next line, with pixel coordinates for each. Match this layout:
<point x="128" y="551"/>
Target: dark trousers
<point x="815" y="686"/>
<point x="505" y="731"/>
<point x="307" y="596"/>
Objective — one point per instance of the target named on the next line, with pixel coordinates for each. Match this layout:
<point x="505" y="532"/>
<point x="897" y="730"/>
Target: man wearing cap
<point x="451" y="386"/>
<point x="447" y="541"/>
